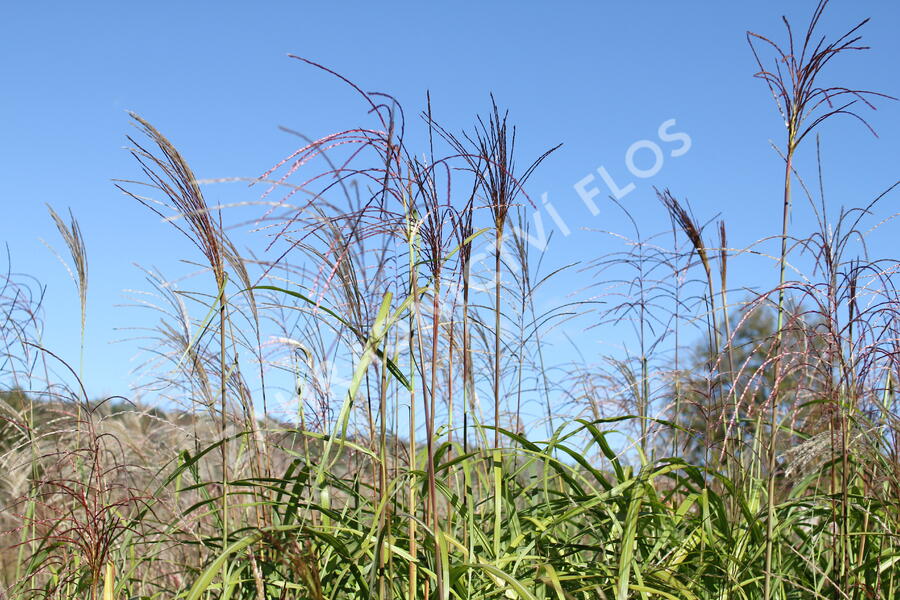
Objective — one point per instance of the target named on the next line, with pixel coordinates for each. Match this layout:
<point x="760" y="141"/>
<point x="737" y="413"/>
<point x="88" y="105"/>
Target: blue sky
<point x="215" y="78"/>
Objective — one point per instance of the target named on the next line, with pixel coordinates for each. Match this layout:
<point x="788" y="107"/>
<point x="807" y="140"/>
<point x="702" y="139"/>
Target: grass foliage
<point x="366" y="408"/>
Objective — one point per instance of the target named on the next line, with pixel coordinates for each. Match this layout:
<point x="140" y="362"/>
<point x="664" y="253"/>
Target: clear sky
<point x="215" y="78"/>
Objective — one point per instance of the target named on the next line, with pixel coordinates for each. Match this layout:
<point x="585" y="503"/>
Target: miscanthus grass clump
<point x="364" y="405"/>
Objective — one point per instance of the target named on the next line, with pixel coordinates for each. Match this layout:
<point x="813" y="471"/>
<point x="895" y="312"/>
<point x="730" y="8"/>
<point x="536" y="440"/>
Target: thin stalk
<point x="412" y="508"/>
<point x="496" y="455"/>
<point x="223" y="381"/>
<point x="384" y="556"/>
<point x="430" y="433"/>
<point x="773" y="408"/>
<point x="497" y="333"/>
